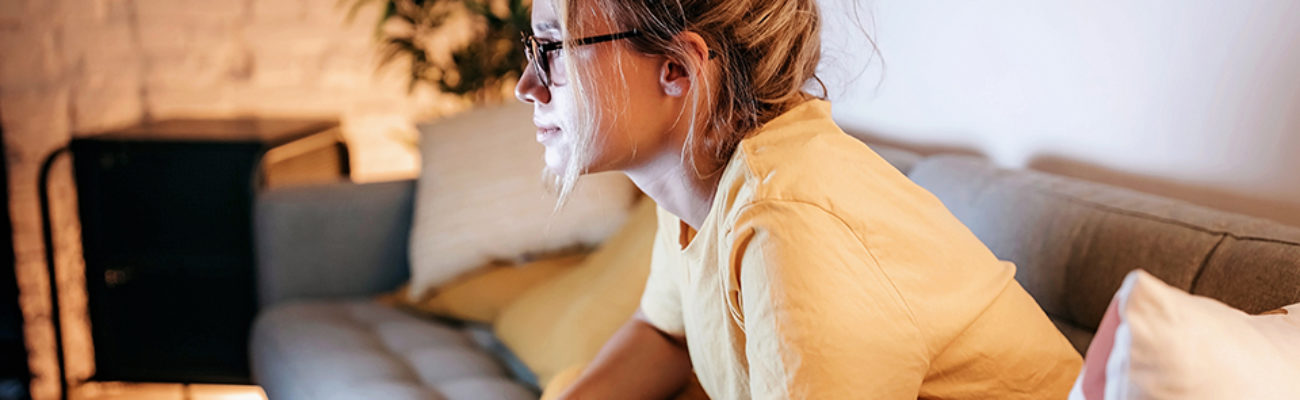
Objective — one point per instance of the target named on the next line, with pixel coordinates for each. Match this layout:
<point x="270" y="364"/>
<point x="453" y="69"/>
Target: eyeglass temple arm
<point x="604" y="38"/>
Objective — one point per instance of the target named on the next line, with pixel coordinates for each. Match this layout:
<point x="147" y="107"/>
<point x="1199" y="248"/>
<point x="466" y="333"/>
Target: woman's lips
<point x="547" y="134"/>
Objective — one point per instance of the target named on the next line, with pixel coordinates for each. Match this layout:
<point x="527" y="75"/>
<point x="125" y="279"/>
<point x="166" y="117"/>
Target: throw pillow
<point x="1157" y="342"/>
<point x="566" y="320"/>
<point x="480" y="197"/>
<point x="480" y="297"/>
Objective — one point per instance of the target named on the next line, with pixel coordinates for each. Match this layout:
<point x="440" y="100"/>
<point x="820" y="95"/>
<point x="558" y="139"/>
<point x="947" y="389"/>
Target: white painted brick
<point x="361" y="72"/>
<point x="114" y="39"/>
<point x="335" y="12"/>
<point x="287" y="57"/>
<point x="229" y="63"/>
<point x="279" y="70"/>
<point x="11" y="9"/>
<point x="25" y="212"/>
<point x="35" y="120"/>
<point x="165" y="35"/>
<point x="190" y="101"/>
<point x="10" y="17"/>
<point x="291" y="101"/>
<point x="288" y="11"/>
<point x="181" y="70"/>
<point x="81" y="12"/>
<point x="110" y="105"/>
<point x="98" y="52"/>
<point x="292" y="40"/>
<point x="209" y="58"/>
<point x="171" y="35"/>
<point x="150" y="11"/>
<point x="109" y="71"/>
<point x="31" y="12"/>
<point x="40" y="345"/>
<point x="30" y="59"/>
<point x="356" y="41"/>
<point x="352" y="73"/>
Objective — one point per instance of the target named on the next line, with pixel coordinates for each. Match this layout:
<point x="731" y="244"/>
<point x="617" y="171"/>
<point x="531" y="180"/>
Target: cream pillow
<point x="1157" y="342"/>
<point x="480" y="197"/>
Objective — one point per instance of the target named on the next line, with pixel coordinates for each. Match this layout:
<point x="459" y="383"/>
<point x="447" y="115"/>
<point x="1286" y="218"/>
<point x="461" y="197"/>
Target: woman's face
<point x="636" y="110"/>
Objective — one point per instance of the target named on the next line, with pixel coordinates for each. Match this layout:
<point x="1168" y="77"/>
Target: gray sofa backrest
<point x="332" y="241"/>
<point x="1073" y="241"/>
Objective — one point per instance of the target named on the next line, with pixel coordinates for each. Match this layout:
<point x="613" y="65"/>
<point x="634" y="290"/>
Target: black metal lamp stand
<point x="47" y="227"/>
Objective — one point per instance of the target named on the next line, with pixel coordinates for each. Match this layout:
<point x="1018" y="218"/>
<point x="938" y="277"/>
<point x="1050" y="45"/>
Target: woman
<point x="791" y="261"/>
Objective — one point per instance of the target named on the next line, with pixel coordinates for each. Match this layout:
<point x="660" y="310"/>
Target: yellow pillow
<point x="561" y="381"/>
<point x="564" y="321"/>
<point x="481" y="296"/>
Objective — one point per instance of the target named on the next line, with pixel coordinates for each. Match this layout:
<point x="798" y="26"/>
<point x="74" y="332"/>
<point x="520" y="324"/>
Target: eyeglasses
<point x="538" y="51"/>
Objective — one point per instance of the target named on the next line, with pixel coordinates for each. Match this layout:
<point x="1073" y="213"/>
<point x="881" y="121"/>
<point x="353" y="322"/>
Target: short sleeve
<point x="822" y="319"/>
<point x="661" y="303"/>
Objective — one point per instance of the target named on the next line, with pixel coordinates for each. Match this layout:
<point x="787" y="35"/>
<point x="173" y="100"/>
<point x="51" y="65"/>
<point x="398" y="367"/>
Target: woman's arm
<point x="638" y="362"/>
<point x="823" y="319"/>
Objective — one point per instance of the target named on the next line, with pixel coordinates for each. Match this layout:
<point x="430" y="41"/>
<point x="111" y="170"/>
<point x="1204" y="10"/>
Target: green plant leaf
<point x="477" y="69"/>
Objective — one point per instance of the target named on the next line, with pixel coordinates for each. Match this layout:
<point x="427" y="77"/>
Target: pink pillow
<point x="1157" y="342"/>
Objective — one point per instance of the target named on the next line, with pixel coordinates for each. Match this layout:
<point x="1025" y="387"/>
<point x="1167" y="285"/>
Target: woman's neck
<point x="676" y="187"/>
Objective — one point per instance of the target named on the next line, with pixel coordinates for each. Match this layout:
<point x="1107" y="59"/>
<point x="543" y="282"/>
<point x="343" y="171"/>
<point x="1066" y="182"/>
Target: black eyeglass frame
<point x="537" y="51"/>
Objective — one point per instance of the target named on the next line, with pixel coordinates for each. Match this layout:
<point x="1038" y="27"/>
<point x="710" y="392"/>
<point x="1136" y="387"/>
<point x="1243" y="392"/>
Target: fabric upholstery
<point x="483" y="336"/>
<point x="1069" y="239"/>
<point x="357" y="349"/>
<point x="480" y="297"/>
<point x="1254" y="274"/>
<point x="902" y="160"/>
<point x="562" y="380"/>
<point x="1074" y="241"/>
<point x="1160" y="343"/>
<point x="331" y="241"/>
<point x="566" y="320"/>
<point x="481" y="197"/>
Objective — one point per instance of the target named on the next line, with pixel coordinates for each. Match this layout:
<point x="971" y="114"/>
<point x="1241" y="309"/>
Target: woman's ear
<point x="674" y="75"/>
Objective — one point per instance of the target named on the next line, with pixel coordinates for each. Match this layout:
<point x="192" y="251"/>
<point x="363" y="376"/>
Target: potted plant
<point x="464" y="47"/>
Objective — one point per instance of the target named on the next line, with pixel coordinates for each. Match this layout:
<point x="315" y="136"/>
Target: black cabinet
<point x="166" y="215"/>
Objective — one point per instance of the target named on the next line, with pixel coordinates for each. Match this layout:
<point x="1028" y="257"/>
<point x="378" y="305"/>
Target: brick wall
<point x="73" y="67"/>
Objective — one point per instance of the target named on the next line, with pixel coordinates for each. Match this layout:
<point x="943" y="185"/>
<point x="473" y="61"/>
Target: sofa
<point x="325" y="252"/>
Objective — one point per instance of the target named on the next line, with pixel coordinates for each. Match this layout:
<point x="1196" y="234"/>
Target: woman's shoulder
<point x="810" y="159"/>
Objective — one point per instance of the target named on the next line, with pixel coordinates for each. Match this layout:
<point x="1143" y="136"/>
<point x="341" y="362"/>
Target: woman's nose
<point x="530" y="89"/>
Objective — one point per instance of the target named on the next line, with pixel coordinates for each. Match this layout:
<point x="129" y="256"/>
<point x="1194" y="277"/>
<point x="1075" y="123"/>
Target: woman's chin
<point x="555" y="162"/>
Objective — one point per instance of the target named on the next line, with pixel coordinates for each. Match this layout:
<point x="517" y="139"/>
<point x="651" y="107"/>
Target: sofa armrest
<point x="331" y="241"/>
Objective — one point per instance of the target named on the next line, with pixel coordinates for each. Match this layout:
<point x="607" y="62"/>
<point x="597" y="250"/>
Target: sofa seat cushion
<point x="359" y="349"/>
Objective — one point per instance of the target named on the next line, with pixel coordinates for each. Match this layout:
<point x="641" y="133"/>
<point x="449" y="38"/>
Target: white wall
<point x="1194" y="99"/>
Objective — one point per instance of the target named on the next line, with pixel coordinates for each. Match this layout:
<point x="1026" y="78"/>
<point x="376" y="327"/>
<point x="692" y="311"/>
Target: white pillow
<point x="1157" y="342"/>
<point x="481" y="197"/>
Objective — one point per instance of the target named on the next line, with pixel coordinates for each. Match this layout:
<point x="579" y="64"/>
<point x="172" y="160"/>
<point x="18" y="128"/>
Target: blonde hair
<point x="767" y="56"/>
